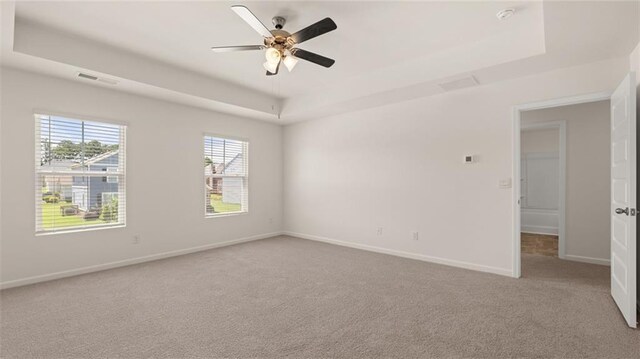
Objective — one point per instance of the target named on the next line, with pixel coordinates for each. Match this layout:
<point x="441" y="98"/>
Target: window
<point x="72" y="157"/>
<point x="225" y="176"/>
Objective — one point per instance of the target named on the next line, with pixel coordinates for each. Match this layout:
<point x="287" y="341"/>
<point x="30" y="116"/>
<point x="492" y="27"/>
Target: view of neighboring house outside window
<point x="72" y="191"/>
<point x="225" y="176"/>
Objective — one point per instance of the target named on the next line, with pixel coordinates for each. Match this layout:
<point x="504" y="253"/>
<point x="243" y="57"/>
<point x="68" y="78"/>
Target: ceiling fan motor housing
<point x="278" y="22"/>
<point x="281" y="40"/>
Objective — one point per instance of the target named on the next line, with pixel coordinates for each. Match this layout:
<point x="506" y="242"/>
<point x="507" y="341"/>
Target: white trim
<point x="551" y="231"/>
<point x="84" y="228"/>
<point x="420" y="257"/>
<point x="75" y="116"/>
<point x="515" y="195"/>
<point x="126" y="262"/>
<point x="564" y="101"/>
<point x="225" y="137"/>
<point x="600" y="261"/>
<point x="225" y="214"/>
<point x="515" y="192"/>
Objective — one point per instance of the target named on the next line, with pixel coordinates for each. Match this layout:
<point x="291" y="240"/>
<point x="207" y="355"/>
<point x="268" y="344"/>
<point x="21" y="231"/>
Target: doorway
<point x="542" y="187"/>
<point x="520" y="113"/>
<point x="622" y="206"/>
<point x="565" y="182"/>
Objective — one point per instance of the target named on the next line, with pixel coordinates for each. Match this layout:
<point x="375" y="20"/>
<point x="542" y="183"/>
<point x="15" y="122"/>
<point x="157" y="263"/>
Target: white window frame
<point x="245" y="195"/>
<point x="119" y="174"/>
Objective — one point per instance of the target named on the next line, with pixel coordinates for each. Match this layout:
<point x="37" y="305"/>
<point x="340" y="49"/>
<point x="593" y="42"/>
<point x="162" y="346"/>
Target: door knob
<point x="621" y="211"/>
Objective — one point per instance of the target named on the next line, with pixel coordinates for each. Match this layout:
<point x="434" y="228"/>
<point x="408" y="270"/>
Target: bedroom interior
<point x="313" y="179"/>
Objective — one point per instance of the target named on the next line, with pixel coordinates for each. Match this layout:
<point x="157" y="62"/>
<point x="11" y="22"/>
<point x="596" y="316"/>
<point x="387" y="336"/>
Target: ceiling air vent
<point x="96" y="78"/>
<point x="459" y="83"/>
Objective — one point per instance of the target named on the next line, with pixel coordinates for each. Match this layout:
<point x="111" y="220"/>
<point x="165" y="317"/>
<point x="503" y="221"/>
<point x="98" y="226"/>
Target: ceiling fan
<point x="279" y="44"/>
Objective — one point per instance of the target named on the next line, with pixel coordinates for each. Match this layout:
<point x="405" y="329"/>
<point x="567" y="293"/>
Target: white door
<point x="623" y="198"/>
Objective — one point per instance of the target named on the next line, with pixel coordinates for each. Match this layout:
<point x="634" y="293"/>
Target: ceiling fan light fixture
<point x="273" y="56"/>
<point x="271" y="67"/>
<point x="290" y="62"/>
<point x="279" y="44"/>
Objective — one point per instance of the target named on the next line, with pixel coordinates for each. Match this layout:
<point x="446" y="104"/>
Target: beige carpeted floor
<point x="287" y="297"/>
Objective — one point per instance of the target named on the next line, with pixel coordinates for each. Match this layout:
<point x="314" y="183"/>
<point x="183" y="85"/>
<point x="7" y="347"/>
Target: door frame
<point x="515" y="191"/>
<point x="561" y="126"/>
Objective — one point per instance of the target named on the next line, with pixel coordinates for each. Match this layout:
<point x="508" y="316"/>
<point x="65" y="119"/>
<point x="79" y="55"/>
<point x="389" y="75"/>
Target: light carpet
<point x="289" y="297"/>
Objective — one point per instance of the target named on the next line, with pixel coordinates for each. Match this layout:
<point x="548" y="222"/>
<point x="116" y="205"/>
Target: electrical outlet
<point x="136" y="239"/>
<point x="415" y="236"/>
<point x="379" y="231"/>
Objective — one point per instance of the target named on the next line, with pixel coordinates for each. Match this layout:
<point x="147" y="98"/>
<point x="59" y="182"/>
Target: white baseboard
<point x="604" y="262"/>
<point x="421" y="257"/>
<point x="126" y="262"/>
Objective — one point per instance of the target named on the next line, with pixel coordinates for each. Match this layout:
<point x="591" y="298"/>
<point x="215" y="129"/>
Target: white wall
<point x="397" y="167"/>
<point x="400" y="167"/>
<point x="539" y="149"/>
<point x="540" y="141"/>
<point x="588" y="168"/>
<point x="165" y="202"/>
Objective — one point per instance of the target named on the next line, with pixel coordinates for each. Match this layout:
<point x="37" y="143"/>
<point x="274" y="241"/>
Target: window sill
<point x="230" y="214"/>
<point x="78" y="230"/>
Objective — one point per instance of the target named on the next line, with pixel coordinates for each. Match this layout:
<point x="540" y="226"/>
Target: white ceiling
<point x="378" y="47"/>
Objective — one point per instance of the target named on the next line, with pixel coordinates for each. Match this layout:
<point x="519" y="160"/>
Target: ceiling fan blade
<point x="274" y="73"/>
<point x="321" y="27"/>
<point x="251" y="19"/>
<point x="310" y="56"/>
<point x="236" y="48"/>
